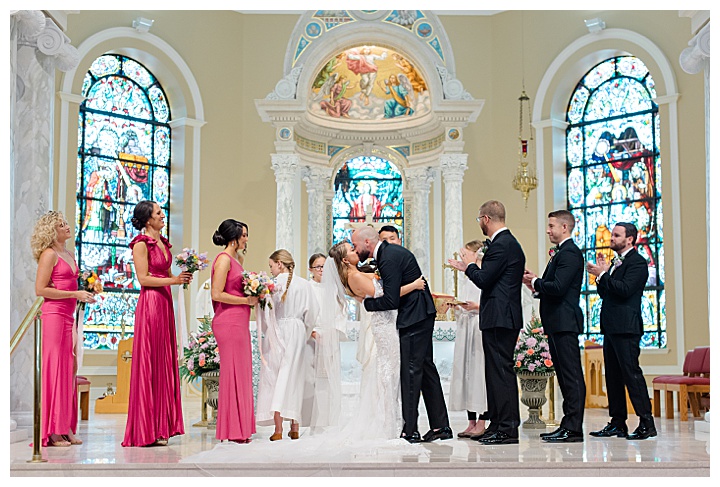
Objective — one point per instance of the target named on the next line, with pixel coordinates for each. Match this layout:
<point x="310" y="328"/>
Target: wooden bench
<point x="83" y="388"/>
<point x="690" y="386"/>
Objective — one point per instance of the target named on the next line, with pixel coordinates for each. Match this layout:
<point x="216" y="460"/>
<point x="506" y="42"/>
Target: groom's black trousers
<point x="418" y="374"/>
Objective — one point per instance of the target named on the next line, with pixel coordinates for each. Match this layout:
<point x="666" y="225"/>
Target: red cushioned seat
<point x="689" y="380"/>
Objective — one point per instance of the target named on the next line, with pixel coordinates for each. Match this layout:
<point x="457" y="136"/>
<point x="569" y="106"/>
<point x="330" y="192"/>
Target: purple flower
<point x="531" y="367"/>
<point x="531" y="342"/>
<point x="521" y="356"/>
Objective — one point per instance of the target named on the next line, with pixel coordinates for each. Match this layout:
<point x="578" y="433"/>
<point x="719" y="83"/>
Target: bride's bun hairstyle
<point x="142" y="214"/>
<point x="285" y="258"/>
<point x="338" y="252"/>
<point x="228" y="231"/>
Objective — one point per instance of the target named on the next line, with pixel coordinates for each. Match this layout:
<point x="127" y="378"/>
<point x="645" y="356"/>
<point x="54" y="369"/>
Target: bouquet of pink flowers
<point x="202" y="353"/>
<point x="190" y="261"/>
<point x="532" y="351"/>
<point x="260" y="285"/>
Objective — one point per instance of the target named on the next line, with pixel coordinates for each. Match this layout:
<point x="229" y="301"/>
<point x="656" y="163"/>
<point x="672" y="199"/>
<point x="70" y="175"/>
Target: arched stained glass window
<point x="366" y="184"/>
<point x="613" y="175"/>
<point x="123" y="158"/>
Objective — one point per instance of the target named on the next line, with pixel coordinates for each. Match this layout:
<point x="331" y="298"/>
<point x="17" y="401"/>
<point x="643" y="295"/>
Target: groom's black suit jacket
<point x="621" y="294"/>
<point x="559" y="291"/>
<point x="500" y="280"/>
<point x="398" y="267"/>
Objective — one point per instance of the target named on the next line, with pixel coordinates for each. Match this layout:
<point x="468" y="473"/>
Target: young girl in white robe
<point x="284" y="365"/>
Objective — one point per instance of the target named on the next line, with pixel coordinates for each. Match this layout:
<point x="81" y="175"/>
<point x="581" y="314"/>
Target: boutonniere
<point x="485" y="246"/>
<point x="553" y="250"/>
<point x="377" y="274"/>
<point x="617" y="261"/>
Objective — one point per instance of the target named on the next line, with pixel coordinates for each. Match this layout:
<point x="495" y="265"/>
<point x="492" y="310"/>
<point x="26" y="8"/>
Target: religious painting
<point x="369" y="83"/>
<point x="613" y="175"/>
<point x="366" y="188"/>
<point x="123" y="158"/>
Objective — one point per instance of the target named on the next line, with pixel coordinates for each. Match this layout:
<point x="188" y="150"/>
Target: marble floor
<point x="678" y="451"/>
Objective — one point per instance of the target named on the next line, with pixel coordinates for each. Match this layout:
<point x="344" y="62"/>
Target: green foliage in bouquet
<point x="201" y="355"/>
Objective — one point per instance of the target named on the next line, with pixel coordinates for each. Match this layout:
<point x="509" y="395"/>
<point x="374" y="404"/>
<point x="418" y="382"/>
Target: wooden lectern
<point x="118" y="403"/>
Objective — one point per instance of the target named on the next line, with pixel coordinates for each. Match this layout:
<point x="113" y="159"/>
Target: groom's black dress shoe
<point x="553" y="433"/>
<point x="564" y="436"/>
<point x="498" y="438"/>
<point x="643" y="432"/>
<point x="413" y="438"/>
<point x="444" y="433"/>
<point x="611" y="429"/>
<point x="482" y="435"/>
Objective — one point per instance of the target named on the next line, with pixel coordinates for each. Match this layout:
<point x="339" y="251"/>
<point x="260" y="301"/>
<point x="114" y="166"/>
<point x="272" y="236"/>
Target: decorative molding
<point x="285" y="166"/>
<point x="40" y="32"/>
<point x="286" y="88"/>
<point x="453" y="167"/>
<point x="696" y="58"/>
<point x="452" y="88"/>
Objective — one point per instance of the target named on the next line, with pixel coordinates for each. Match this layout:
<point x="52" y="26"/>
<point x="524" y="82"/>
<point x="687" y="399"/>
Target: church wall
<point x="238" y="58"/>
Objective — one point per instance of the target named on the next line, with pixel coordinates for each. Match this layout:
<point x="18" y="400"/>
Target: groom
<point x="415" y="323"/>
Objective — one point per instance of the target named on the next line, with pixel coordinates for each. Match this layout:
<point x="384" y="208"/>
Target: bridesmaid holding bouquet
<point x="154" y="405"/>
<point x="57" y="282"/>
<point x="231" y="326"/>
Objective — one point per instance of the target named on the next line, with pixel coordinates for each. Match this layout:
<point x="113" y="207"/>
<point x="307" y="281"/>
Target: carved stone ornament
<point x="37" y="31"/>
<point x="693" y="58"/>
<point x="286" y="88"/>
<point x="452" y="88"/>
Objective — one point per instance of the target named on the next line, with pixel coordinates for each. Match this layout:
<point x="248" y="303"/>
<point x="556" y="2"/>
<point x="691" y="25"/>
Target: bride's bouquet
<point x="260" y="285"/>
<point x="190" y="261"/>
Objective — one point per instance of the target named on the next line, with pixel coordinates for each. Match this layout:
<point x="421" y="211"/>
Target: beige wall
<point x="238" y="58"/>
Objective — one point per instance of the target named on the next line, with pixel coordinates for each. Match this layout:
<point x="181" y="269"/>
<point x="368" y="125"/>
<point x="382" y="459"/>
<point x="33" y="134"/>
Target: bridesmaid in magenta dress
<point x="154" y="405"/>
<point x="231" y="326"/>
<point x="57" y="282"/>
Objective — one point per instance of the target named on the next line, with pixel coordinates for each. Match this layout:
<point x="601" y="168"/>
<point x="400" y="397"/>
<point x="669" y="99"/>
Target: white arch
<point x="549" y="108"/>
<point x="125" y="40"/>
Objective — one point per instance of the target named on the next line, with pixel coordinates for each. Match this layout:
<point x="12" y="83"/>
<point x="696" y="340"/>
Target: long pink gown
<point x="154" y="405"/>
<point x="231" y="326"/>
<point x="59" y="393"/>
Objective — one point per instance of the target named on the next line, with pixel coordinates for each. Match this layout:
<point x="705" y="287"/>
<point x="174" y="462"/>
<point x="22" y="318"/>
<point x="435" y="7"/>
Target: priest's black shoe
<point x="553" y="433"/>
<point x="444" y="433"/>
<point x="413" y="438"/>
<point x="564" y="436"/>
<point x="643" y="432"/>
<point x="611" y="430"/>
<point x="498" y="438"/>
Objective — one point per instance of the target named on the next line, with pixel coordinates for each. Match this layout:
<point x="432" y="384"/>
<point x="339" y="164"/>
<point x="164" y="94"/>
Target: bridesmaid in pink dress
<point x="231" y="326"/>
<point x="57" y="281"/>
<point x="154" y="405"/>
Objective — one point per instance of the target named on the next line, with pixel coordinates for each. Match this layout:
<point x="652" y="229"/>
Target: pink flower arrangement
<point x="202" y="353"/>
<point x="532" y="351"/>
<point x="260" y="285"/>
<point x="190" y="261"/>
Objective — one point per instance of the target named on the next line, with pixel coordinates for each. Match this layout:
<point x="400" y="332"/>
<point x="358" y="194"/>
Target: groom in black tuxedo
<point x="415" y="323"/>
<point x="562" y="319"/>
<point x="500" y="280"/>
<point x="621" y="287"/>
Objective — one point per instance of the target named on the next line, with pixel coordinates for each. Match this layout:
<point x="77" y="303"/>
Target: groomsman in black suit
<point x="562" y="319"/>
<point x="415" y="324"/>
<point x="500" y="319"/>
<point x="620" y="286"/>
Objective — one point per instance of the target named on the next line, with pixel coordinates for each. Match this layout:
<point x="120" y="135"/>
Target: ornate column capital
<point x="419" y="178"/>
<point x="694" y="59"/>
<point x="41" y="33"/>
<point x="453" y="167"/>
<point x="316" y="178"/>
<point x="285" y="166"/>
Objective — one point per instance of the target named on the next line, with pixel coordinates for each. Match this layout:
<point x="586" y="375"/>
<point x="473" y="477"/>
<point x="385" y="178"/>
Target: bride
<point x="378" y="413"/>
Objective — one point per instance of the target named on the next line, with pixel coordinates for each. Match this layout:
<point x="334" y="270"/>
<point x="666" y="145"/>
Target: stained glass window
<point x="613" y="175"/>
<point x="123" y="158"/>
<point x="362" y="184"/>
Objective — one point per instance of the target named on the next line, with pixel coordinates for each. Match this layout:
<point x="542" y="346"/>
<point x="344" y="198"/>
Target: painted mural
<point x="369" y="83"/>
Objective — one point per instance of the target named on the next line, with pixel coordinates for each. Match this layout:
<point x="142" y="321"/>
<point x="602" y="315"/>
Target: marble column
<point x="285" y="166"/>
<point x="453" y="168"/>
<point x="38" y="47"/>
<point x="418" y="235"/>
<point x="317" y="181"/>
<point x="693" y="60"/>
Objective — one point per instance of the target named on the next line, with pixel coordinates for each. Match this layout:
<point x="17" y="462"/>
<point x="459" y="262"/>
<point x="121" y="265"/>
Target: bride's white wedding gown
<point x="370" y="422"/>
